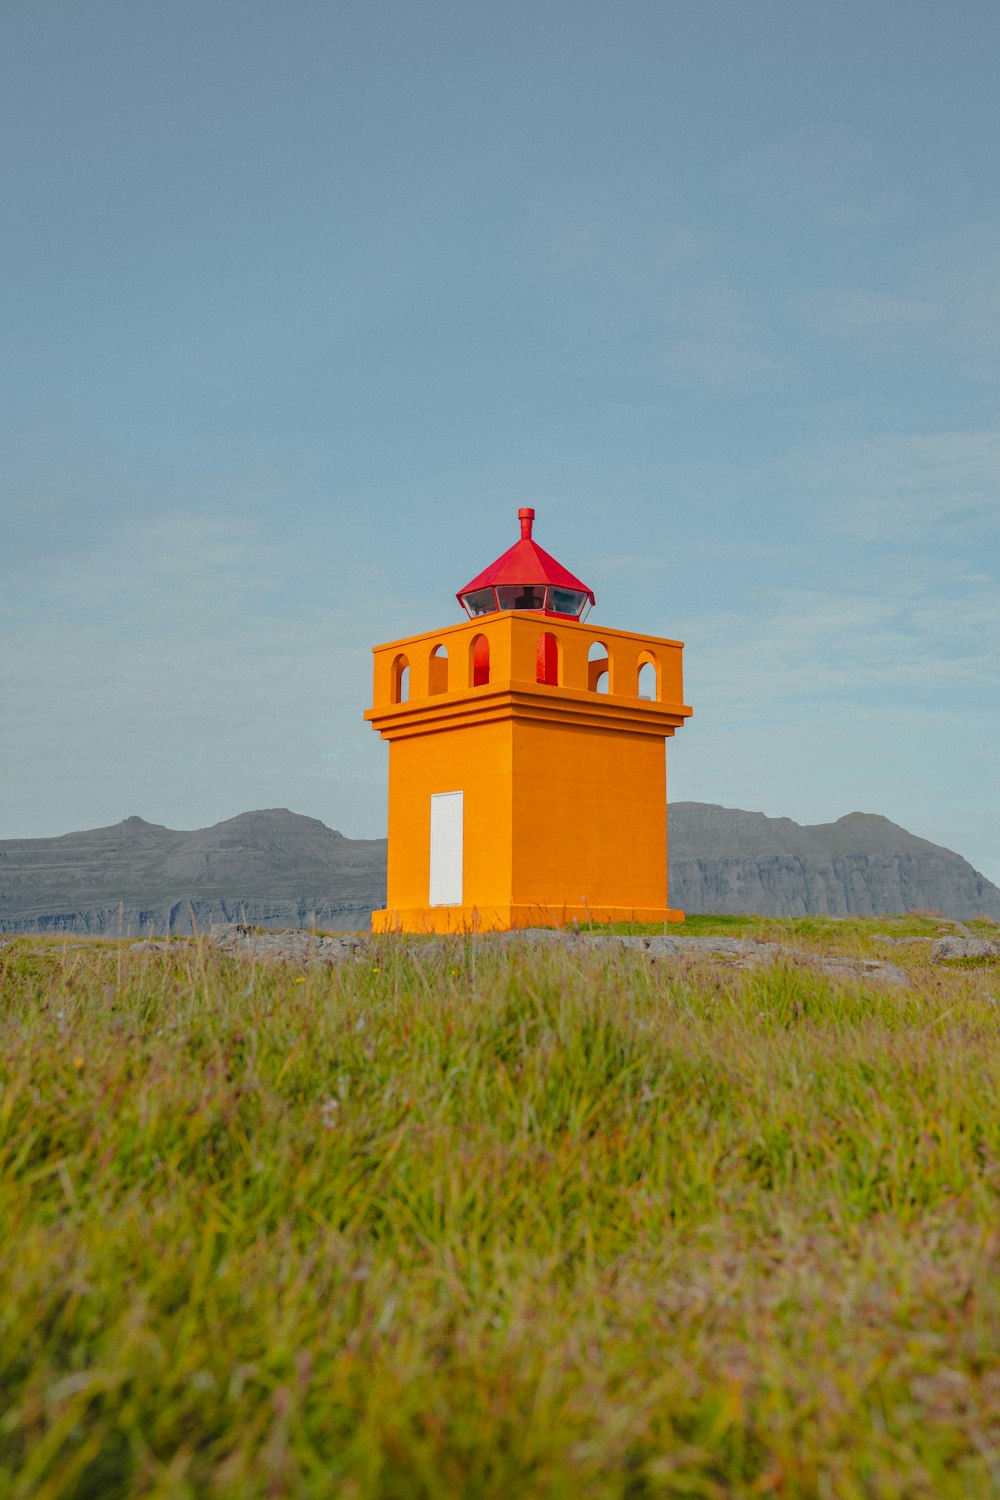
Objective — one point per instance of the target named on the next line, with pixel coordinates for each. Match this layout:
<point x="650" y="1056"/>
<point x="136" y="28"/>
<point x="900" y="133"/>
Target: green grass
<point x="518" y="1224"/>
<point x="830" y="932"/>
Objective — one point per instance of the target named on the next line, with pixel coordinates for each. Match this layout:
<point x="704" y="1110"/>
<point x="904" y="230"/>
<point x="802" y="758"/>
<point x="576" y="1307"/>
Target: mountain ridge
<point x="733" y="861"/>
<point x="273" y="867"/>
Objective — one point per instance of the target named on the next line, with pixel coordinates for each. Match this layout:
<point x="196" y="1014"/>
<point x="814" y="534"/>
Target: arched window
<point x="598" y="668"/>
<point x="479" y="661"/>
<point x="400" y="679"/>
<point x="649" y="677"/>
<point x="547" y="658"/>
<point x="437" y="673"/>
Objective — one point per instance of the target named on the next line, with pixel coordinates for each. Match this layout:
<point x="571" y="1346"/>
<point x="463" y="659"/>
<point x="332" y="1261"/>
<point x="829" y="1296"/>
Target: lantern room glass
<point x="522" y="596"/>
<point x="481" y="602"/>
<point x="539" y="598"/>
<point x="567" y="602"/>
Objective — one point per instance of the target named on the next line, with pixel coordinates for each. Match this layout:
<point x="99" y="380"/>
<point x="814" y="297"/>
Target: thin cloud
<point x="179" y="662"/>
<point x="881" y="322"/>
<point x="903" y="486"/>
<point x="659" y="304"/>
<point x="940" y="297"/>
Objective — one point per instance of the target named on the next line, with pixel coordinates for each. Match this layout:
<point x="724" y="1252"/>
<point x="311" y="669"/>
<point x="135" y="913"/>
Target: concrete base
<point x="466" y="919"/>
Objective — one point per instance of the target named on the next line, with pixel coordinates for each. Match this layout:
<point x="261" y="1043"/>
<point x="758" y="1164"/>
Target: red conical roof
<point x="526" y="563"/>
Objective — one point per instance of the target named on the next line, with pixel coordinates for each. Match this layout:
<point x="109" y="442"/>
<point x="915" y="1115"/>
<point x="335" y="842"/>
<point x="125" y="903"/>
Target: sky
<point x="300" y="301"/>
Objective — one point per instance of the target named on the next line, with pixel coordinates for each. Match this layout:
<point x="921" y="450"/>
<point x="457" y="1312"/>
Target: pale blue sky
<point x="301" y="301"/>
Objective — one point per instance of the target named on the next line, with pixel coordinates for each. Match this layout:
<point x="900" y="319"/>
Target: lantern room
<point x="526" y="577"/>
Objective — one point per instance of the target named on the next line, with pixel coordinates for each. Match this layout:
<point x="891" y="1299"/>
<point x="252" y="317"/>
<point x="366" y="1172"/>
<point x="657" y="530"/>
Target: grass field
<point x="452" y="1221"/>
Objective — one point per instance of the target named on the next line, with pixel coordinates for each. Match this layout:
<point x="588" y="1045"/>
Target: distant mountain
<point x="725" y="860"/>
<point x="276" y="868"/>
<point x="273" y="868"/>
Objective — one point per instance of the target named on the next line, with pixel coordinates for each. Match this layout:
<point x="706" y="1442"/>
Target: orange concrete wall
<point x="477" y="761"/>
<point x="590" y="817"/>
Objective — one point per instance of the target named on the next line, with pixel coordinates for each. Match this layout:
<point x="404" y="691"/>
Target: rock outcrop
<point x="308" y="951"/>
<point x="950" y="947"/>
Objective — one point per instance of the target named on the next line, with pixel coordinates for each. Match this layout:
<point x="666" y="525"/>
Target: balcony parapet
<point x="532" y="664"/>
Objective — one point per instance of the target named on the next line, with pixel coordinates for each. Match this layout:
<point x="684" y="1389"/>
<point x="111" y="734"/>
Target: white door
<point x="447" y="818"/>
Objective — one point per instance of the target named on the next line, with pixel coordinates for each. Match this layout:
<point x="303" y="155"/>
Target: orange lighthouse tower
<point x="527" y="774"/>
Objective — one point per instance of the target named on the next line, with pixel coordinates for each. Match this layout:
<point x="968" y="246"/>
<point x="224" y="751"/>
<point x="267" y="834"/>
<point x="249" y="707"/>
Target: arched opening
<point x="649" y="677"/>
<point x="598" y="668"/>
<point x="437" y="670"/>
<point x="479" y="661"/>
<point x="547" y="659"/>
<point x="400" y="679"/>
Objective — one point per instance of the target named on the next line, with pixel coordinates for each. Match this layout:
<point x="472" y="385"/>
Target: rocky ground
<point x="843" y="949"/>
<point x="308" y="948"/>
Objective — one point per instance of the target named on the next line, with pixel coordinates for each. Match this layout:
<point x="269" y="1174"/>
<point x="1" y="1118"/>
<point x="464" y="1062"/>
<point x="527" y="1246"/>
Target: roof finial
<point x="526" y="515"/>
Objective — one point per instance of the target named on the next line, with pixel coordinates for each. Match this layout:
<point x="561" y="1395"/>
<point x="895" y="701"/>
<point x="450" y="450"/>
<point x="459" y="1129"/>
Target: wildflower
<point x="300" y="980"/>
<point x="78" y="1063"/>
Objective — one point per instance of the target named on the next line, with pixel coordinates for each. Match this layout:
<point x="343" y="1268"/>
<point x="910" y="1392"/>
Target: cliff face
<point x="272" y="868"/>
<point x="725" y="860"/>
<point x="278" y="869"/>
<point x="191" y="916"/>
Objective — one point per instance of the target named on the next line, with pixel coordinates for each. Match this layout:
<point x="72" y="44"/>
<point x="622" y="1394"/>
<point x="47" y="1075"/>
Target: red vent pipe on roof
<point x="526" y="515"/>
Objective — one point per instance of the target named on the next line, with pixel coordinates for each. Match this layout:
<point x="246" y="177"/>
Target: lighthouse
<point x="527" y="766"/>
